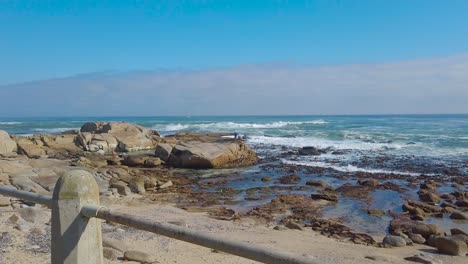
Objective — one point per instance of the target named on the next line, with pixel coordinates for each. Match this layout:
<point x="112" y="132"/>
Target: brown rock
<point x="266" y="179"/>
<point x="163" y="151"/>
<point x="462" y="203"/>
<point x="371" y="182"/>
<point x="7" y="145"/>
<point x="325" y="196"/>
<point x="427" y="230"/>
<point x="317" y="183"/>
<point x="459" y="215"/>
<point x="290" y="179"/>
<point x="428" y="196"/>
<point x="456" y="231"/>
<point x="375" y="212"/>
<point x="130" y="137"/>
<point x="426" y="207"/>
<point x="450" y="246"/>
<point x="207" y="155"/>
<point x="138" y="256"/>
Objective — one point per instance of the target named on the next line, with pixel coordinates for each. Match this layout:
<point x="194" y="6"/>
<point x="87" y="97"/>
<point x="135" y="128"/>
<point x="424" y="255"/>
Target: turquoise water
<point x="426" y="138"/>
<point x="411" y="145"/>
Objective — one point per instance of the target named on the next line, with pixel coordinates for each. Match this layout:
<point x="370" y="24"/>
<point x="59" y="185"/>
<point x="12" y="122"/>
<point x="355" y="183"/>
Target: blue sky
<point x="233" y="57"/>
<point x="47" y="39"/>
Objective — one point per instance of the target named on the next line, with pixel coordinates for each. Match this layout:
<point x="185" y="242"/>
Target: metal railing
<point x="76" y="232"/>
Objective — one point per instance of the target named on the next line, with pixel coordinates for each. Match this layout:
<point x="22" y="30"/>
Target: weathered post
<point x="76" y="239"/>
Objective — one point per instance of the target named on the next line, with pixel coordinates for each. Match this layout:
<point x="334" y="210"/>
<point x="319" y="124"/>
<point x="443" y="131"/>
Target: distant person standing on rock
<point x="235" y="135"/>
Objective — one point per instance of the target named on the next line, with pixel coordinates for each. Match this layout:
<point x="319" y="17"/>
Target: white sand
<point x="319" y="248"/>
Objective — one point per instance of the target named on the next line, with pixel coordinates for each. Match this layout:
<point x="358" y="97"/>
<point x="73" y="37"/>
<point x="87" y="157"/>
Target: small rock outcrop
<point x="117" y="136"/>
<point x="451" y="246"/>
<point x="209" y="155"/>
<point x="138" y="256"/>
<point x="7" y="145"/>
<point x="394" y="241"/>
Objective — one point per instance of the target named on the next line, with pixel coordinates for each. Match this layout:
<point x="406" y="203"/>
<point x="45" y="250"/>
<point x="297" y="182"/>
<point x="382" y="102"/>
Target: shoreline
<point x="268" y="194"/>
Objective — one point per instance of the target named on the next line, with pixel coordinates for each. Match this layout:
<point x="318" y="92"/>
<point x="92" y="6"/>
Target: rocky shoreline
<point x="130" y="161"/>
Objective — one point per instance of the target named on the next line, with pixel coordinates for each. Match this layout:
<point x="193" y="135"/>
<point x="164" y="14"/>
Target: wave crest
<point x="234" y="125"/>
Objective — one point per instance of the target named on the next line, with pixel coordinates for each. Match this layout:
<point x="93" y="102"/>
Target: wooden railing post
<point x="76" y="239"/>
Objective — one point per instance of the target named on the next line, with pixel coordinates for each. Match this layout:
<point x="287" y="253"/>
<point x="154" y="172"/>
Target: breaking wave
<point x="229" y="126"/>
<point x="322" y="143"/>
<point x="349" y="168"/>
<point x="54" y="130"/>
<point x="10" y="123"/>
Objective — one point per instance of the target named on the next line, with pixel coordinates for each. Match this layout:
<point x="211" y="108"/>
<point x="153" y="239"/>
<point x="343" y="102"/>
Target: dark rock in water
<point x="290" y="179"/>
<point x="325" y="196"/>
<point x="426" y="207"/>
<point x="310" y="151"/>
<point x="358" y="192"/>
<point x="450" y="246"/>
<point x="317" y="183"/>
<point x="413" y="210"/>
<point x="266" y="179"/>
<point x="447" y="197"/>
<point x="428" y="185"/>
<point x="456" y="231"/>
<point x="427" y="230"/>
<point x="370" y="182"/>
<point x="459" y="216"/>
<point x="394" y="241"/>
<point x="428" y="196"/>
<point x="375" y="212"/>
<point x="462" y="203"/>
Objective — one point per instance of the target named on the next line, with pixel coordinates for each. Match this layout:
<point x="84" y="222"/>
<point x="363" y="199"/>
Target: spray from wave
<point x="229" y="126"/>
<point x="10" y="123"/>
<point x="348" y="168"/>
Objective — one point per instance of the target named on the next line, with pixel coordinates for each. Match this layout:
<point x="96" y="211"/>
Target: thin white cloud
<point x="438" y="85"/>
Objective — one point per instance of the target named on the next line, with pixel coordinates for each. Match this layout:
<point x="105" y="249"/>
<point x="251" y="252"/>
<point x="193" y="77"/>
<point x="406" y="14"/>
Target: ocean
<point x="408" y="145"/>
<point x="429" y="138"/>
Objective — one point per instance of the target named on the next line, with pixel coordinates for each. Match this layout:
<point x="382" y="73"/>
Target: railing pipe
<point x="246" y="250"/>
<point x="28" y="196"/>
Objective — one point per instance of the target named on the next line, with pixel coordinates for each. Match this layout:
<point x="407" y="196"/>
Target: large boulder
<point x="163" y="151"/>
<point x="208" y="155"/>
<point x="130" y="137"/>
<point x="32" y="147"/>
<point x="7" y="144"/>
<point x="451" y="246"/>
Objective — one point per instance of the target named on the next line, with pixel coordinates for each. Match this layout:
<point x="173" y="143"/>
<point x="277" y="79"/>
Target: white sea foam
<point x="348" y="168"/>
<point x="54" y="130"/>
<point x="229" y="126"/>
<point x="10" y="123"/>
<point x="322" y="143"/>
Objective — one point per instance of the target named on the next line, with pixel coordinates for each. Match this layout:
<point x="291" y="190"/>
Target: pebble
<point x="109" y="253"/>
<point x="394" y="241"/>
<point x="4" y="201"/>
<point x="135" y="255"/>
<point x="421" y="258"/>
<point x="115" y="244"/>
<point x="30" y="214"/>
<point x="166" y="185"/>
<point x="417" y="238"/>
<point x="292" y="225"/>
